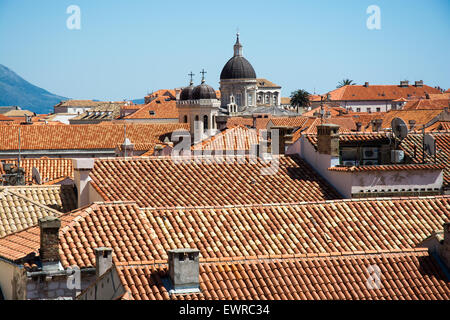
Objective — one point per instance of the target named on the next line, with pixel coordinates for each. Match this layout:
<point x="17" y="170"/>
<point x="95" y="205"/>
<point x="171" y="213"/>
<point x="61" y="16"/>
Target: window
<point x="152" y="113"/>
<point x="196" y="122"/>
<point x="378" y="109"/>
<point x="249" y="99"/>
<point x="369" y="110"/>
<point x="275" y="100"/>
<point x="259" y="98"/>
<point x="267" y="99"/>
<point x="238" y="99"/>
<point x="185" y="119"/>
<point x="205" y="122"/>
<point x="358" y="109"/>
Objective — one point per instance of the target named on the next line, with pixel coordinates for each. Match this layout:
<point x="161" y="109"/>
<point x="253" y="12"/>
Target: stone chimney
<point x="444" y="250"/>
<point x="103" y="260"/>
<point x="418" y="83"/>
<point x="358" y="126"/>
<point x="412" y="124"/>
<point x="82" y="167"/>
<point x="404" y="83"/>
<point x="221" y="122"/>
<point x="184" y="270"/>
<point x="49" y="241"/>
<point x="127" y="148"/>
<point x="254" y="117"/>
<point x="328" y="139"/>
<point x="366" y="84"/>
<point x="284" y="139"/>
<point x="376" y="125"/>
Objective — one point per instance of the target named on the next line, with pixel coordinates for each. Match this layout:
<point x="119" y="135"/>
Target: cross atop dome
<point x="203" y="75"/>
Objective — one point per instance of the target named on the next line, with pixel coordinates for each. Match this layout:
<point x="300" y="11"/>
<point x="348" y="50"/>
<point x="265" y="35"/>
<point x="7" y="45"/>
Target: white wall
<point x="6" y="276"/>
<point x="384" y="105"/>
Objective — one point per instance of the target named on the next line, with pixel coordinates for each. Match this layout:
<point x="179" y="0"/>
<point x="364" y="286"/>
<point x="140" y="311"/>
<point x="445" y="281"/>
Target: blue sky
<point x="127" y="48"/>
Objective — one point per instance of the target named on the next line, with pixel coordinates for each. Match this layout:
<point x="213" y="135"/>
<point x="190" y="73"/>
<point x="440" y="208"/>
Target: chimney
<point x="444" y="250"/>
<point x="328" y="139"/>
<point x="366" y="84"/>
<point x="284" y="138"/>
<point x="103" y="260"/>
<point x="254" y="116"/>
<point x="376" y="125"/>
<point x="49" y="244"/>
<point x="221" y="122"/>
<point x="127" y="148"/>
<point x="418" y="83"/>
<point x="404" y="83"/>
<point x="82" y="167"/>
<point x="412" y="124"/>
<point x="184" y="270"/>
<point x="158" y="150"/>
<point x="358" y="126"/>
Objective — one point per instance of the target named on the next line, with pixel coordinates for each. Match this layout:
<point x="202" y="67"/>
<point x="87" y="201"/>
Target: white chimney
<point x="184" y="270"/>
<point x="82" y="168"/>
<point x="103" y="260"/>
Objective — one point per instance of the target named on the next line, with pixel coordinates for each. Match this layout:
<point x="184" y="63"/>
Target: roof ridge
<point x="444" y="196"/>
<point x="34" y="202"/>
<point x="281" y="257"/>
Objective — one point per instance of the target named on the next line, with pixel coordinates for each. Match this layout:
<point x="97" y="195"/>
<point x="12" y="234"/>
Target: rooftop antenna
<point x="18" y="160"/>
<point x="125" y="138"/>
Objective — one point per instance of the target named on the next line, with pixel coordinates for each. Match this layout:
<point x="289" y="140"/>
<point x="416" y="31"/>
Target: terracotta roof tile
<point x="161" y="181"/>
<point x="159" y="108"/>
<point x="86" y="136"/>
<point x="348" y="279"/>
<point x="379" y="92"/>
<point x="18" y="212"/>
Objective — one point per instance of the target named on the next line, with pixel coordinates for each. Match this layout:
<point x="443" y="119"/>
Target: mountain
<point x="15" y="91"/>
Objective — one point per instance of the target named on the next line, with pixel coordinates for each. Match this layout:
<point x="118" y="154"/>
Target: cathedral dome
<point x="238" y="68"/>
<point x="203" y="91"/>
<point x="186" y="93"/>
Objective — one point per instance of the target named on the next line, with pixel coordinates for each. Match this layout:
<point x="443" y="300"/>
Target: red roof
<point x="159" y="108"/>
<point x="410" y="275"/>
<point x="379" y="92"/>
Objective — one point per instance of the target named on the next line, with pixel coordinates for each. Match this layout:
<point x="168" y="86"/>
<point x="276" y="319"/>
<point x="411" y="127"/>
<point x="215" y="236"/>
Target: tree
<point x="300" y="98"/>
<point x="345" y="82"/>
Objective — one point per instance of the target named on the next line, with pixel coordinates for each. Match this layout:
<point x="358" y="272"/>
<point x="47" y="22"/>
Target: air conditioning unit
<point x="397" y="156"/>
<point x="370" y="153"/>
<point x="349" y="163"/>
<point x="370" y="162"/>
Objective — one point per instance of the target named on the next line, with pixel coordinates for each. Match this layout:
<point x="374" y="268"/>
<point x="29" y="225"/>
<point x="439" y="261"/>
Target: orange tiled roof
<point x="413" y="145"/>
<point x="422" y="117"/>
<point x="234" y="231"/>
<point x="87" y="136"/>
<point x="334" y="111"/>
<point x="439" y="126"/>
<point x="261" y="123"/>
<point x="163" y="93"/>
<point x="59" y="197"/>
<point x="161" y="182"/>
<point x="426" y="104"/>
<point x="410" y="275"/>
<point x="285" y="100"/>
<point x="397" y="167"/>
<point x="379" y="92"/>
<point x="18" y="212"/>
<point x="237" y="138"/>
<point x="159" y="108"/>
<point x="261" y="82"/>
<point x="50" y="169"/>
<point x="5" y="118"/>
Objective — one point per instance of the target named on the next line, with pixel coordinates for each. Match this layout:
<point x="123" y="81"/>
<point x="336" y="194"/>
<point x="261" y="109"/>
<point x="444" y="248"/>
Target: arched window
<point x="185" y="119"/>
<point x="196" y="122"/>
<point x="205" y="122"/>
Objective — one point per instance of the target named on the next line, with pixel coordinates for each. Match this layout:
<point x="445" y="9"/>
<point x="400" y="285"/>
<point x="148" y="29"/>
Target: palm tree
<point x="300" y="98"/>
<point x="345" y="82"/>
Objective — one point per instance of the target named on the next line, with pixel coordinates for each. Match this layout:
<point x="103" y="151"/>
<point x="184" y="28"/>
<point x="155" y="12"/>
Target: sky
<point x="125" y="49"/>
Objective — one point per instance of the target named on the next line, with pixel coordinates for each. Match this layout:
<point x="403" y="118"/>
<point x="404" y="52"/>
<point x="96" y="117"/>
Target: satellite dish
<point x="399" y="128"/>
<point x="36" y="176"/>
<point x="430" y="144"/>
